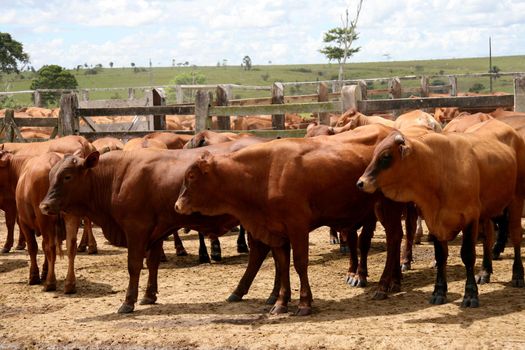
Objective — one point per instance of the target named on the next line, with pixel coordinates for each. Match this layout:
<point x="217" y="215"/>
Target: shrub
<point x="477" y="87"/>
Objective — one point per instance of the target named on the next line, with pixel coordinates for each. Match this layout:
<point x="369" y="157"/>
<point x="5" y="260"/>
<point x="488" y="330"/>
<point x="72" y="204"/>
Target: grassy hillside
<point x="265" y="75"/>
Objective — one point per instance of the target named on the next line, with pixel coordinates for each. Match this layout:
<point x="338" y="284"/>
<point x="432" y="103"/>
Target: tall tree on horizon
<point x="11" y="54"/>
<point x="343" y="37"/>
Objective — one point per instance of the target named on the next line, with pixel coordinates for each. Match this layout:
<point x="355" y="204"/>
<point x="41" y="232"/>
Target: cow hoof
<point x="379" y="295"/>
<point x="242" y="248"/>
<point x="163" y="258"/>
<point x="204" y="259"/>
<point x="5" y="250"/>
<point x="81" y="249"/>
<point x="344" y="249"/>
<point x="234" y="298"/>
<point x="303" y="311"/>
<point x="148" y="300"/>
<point x="483" y="278"/>
<point x="235" y="229"/>
<point x="182" y="252"/>
<point x="470" y="301"/>
<point x="70" y="289"/>
<point x="272" y="299"/>
<point x="518" y="282"/>
<point x="50" y="287"/>
<point x="334" y="240"/>
<point x="125" y="309"/>
<point x="216" y="257"/>
<point x="438" y="299"/>
<point x="278" y="309"/>
<point x="405" y="267"/>
<point x="33" y="280"/>
<point x="394" y="288"/>
<point x="20" y="247"/>
<point x="92" y="250"/>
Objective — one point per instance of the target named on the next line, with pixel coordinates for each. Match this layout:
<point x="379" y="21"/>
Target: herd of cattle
<point x="460" y="177"/>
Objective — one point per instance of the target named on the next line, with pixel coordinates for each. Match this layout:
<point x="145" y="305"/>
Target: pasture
<point x="265" y="75"/>
<point x="191" y="311"/>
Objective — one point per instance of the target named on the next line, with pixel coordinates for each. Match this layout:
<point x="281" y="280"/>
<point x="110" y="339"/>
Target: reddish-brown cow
<point x="485" y="152"/>
<point x="296" y="185"/>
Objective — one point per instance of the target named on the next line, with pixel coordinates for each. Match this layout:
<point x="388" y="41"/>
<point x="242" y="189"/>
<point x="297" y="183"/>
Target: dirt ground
<point x="191" y="311"/>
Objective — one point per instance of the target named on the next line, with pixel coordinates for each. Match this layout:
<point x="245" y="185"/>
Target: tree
<point x="192" y="78"/>
<point x="343" y="37"/>
<point x="132" y="64"/>
<point x="247" y="62"/>
<point x="11" y="54"/>
<point x="110" y="64"/>
<point x="53" y="77"/>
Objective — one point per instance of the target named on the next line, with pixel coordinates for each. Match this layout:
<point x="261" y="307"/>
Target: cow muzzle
<point x="366" y="185"/>
<point x="181" y="208"/>
<point x="48" y="209"/>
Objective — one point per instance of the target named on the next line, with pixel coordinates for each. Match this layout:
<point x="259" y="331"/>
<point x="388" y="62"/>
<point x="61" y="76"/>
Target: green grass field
<point x="266" y="75"/>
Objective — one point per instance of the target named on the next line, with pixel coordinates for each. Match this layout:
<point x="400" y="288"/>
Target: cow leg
<point x="502" y="235"/>
<point x="439" y="296"/>
<point x="468" y="256"/>
<point x="300" y="261"/>
<point x="390" y="213"/>
<point x="343" y="242"/>
<point x="282" y="259"/>
<point x="92" y="243"/>
<point x="515" y="230"/>
<point x="334" y="239"/>
<point x="203" y="250"/>
<point x="410" y="227"/>
<point x="50" y="253"/>
<point x="365" y="241"/>
<point x="419" y="230"/>
<point x="135" y="260"/>
<point x="242" y="247"/>
<point x="216" y="254"/>
<point x="351" y="236"/>
<point x="72" y="225"/>
<point x="32" y="249"/>
<point x="256" y="256"/>
<point x="486" y="266"/>
<point x="179" y="247"/>
<point x="82" y="246"/>
<point x="153" y="261"/>
<point x="10" y="219"/>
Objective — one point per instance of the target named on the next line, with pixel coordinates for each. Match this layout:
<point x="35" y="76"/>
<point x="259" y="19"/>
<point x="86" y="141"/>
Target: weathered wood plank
<point x="68" y="119"/>
<point x="202" y="107"/>
<point x="271" y="133"/>
<point x="172" y="110"/>
<point x="464" y="102"/>
<point x="223" y="99"/>
<point x="37" y="122"/>
<point x="159" y="99"/>
<point x="519" y="94"/>
<point x="313" y="107"/>
<point x="278" y="98"/>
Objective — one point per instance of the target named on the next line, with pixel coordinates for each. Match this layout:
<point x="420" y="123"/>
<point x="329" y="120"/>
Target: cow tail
<point x="60" y="234"/>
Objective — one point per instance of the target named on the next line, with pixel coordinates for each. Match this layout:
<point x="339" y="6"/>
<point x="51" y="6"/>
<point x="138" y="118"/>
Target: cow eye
<point x="67" y="177"/>
<point x="385" y="160"/>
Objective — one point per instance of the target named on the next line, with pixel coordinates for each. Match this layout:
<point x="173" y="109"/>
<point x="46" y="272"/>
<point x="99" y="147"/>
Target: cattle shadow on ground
<point x="8" y="265"/>
<point x="86" y="289"/>
<point x="190" y="260"/>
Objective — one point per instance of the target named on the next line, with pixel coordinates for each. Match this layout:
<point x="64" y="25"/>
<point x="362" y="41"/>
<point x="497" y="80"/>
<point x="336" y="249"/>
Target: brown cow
<point x="356" y="120"/>
<point x="487" y="151"/>
<point x="131" y="195"/>
<point x="417" y="117"/>
<point x="296" y="185"/>
<point x="208" y="137"/>
<point x="140" y="143"/>
<point x="67" y="144"/>
<point x="31" y="189"/>
<point x="171" y="140"/>
<point x="106" y="144"/>
<point x="464" y="121"/>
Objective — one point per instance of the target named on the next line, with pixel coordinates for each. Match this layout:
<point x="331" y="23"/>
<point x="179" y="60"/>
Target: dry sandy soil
<point x="192" y="312"/>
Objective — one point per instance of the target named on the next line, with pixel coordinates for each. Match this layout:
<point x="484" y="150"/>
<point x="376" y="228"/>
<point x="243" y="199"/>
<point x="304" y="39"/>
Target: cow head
<point x="66" y="182"/>
<point x="196" y="180"/>
<point x="382" y="170"/>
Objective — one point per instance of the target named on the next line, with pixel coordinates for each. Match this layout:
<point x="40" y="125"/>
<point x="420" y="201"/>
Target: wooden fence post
<point x="8" y="120"/>
<point x="424" y="86"/>
<point x="322" y="96"/>
<point x="453" y="80"/>
<point x="350" y="96"/>
<point x="519" y="94"/>
<point x="277" y="98"/>
<point x="37" y="98"/>
<point x="179" y="95"/>
<point x="223" y="99"/>
<point x="131" y="94"/>
<point x="68" y="119"/>
<point x="202" y="106"/>
<point x="85" y="95"/>
<point x="395" y="91"/>
<point x="159" y="99"/>
<point x="364" y="89"/>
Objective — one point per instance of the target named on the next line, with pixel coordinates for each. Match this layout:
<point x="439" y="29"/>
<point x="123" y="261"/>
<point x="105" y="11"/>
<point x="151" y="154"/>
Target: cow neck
<point x="100" y="180"/>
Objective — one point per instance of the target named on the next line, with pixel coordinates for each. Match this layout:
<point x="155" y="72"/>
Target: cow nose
<point x="44" y="208"/>
<point x="360" y="184"/>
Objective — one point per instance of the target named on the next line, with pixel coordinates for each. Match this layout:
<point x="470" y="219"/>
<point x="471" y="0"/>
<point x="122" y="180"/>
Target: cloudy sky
<point x="204" y="32"/>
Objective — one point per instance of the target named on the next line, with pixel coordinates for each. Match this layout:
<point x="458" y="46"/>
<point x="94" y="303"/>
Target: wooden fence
<point x="205" y="106"/>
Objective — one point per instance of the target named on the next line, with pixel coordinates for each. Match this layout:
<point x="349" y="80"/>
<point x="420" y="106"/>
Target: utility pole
<point x="490" y="62"/>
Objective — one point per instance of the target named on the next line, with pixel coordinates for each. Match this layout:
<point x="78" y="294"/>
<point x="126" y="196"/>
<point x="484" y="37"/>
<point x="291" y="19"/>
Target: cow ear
<point x="91" y="160"/>
<point x="204" y="162"/>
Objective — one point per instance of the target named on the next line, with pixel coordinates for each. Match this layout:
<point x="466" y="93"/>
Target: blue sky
<point x="204" y="32"/>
